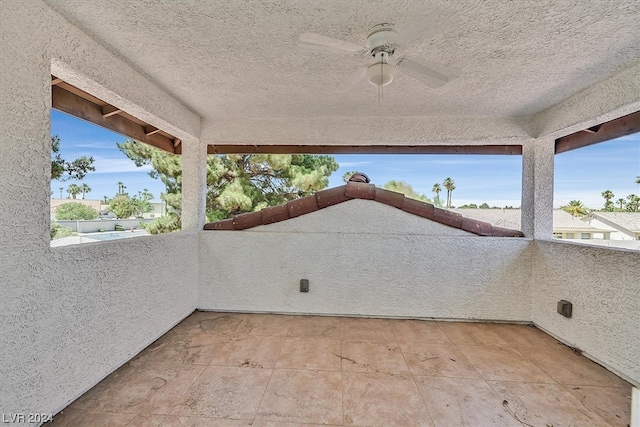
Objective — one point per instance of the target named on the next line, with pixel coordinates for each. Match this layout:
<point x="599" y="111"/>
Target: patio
<point x="233" y="369"/>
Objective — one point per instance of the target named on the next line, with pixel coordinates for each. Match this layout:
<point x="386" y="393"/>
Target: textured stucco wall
<point x="381" y="268"/>
<point x="68" y="316"/>
<point x="604" y="286"/>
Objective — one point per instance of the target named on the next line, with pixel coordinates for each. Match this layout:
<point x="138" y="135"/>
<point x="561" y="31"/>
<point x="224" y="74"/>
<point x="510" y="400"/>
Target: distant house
<point x="624" y="225"/>
<point x="565" y="226"/>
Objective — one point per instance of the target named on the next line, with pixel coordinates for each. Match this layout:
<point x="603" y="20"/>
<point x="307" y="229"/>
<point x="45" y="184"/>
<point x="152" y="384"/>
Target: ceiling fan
<point x="383" y="41"/>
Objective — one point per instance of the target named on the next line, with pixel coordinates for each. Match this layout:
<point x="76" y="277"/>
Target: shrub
<point x="75" y="211"/>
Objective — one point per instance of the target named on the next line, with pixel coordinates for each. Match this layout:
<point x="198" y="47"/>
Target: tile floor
<point x="229" y="369"/>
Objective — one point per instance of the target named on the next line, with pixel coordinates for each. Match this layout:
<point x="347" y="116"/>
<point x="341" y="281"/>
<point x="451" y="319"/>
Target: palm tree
<point x="638" y="179"/>
<point x="121" y="187"/>
<point x="575" y="208"/>
<point x="61" y="189"/>
<point x="85" y="189"/>
<point x="347" y="175"/>
<point x="74" y="190"/>
<point x="105" y="199"/>
<point x="437" y="189"/>
<point x="634" y="203"/>
<point x="608" y="195"/>
<point x="620" y="201"/>
<point x="449" y="185"/>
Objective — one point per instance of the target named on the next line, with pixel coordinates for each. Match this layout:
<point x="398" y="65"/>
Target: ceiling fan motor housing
<point x="382" y="37"/>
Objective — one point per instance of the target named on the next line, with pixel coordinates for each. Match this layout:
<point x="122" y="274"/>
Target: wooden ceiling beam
<point x="55" y="81"/>
<point x="371" y="149"/>
<point x="110" y="110"/>
<point x="150" y="130"/>
<point x="622" y="126"/>
<point x="72" y="103"/>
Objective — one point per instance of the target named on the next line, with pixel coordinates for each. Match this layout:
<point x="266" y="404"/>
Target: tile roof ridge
<point x="365" y="191"/>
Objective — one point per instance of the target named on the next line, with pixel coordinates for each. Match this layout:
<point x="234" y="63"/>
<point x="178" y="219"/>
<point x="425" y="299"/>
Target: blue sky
<point x="580" y="174"/>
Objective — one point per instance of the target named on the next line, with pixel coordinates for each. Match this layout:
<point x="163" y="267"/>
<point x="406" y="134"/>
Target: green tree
<point x="142" y="202"/>
<point x="64" y="170"/>
<point x="105" y="199"/>
<point x="75" y="211"/>
<point x="57" y="231"/>
<point x="638" y="179"/>
<point x="437" y="189"/>
<point x="123" y="206"/>
<point x="85" y="189"/>
<point x="469" y="206"/>
<point x="621" y="202"/>
<point x="347" y="175"/>
<point x="633" y="205"/>
<point x="235" y="183"/>
<point x="608" y="204"/>
<point x="486" y="206"/>
<point x="449" y="185"/>
<point x="74" y="190"/>
<point x="575" y="208"/>
<point x="406" y="189"/>
<point x="121" y="187"/>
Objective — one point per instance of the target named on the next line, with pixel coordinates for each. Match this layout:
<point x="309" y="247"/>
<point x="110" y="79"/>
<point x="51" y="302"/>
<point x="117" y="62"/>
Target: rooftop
<point x="236" y="369"/>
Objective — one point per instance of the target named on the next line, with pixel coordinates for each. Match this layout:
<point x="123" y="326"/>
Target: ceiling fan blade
<point x="426" y="25"/>
<point x="336" y="44"/>
<point x="351" y="82"/>
<point x="433" y="75"/>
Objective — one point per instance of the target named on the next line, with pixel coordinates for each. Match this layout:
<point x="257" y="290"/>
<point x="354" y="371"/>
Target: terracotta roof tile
<point x="225" y="224"/>
<point x="446" y="217"/>
<point x="247" y="220"/>
<point x="417" y="207"/>
<point x="478" y="227"/>
<point x="333" y="196"/>
<point x="274" y="214"/>
<point x="506" y="232"/>
<point x="360" y="190"/>
<point x="390" y="198"/>
<point x="302" y="206"/>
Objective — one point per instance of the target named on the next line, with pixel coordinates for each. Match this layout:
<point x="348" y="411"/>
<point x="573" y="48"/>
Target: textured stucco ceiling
<point x="243" y="60"/>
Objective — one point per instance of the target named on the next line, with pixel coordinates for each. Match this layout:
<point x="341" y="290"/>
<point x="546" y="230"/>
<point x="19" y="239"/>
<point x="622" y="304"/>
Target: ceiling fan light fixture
<point x="380" y="74"/>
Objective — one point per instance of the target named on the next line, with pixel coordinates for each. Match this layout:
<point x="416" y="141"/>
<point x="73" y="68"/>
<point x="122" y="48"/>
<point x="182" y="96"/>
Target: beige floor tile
<point x="211" y="322"/>
<point x="190" y="348"/>
<point x="437" y="360"/>
<point x="545" y="405"/>
<point x="503" y="364"/>
<point x="264" y="423"/>
<point x="611" y="403"/>
<point x="267" y="324"/>
<point x="255" y="352"/>
<point x="367" y="329"/>
<point x="463" y="402"/>
<point x="372" y="399"/>
<point x="171" y="421"/>
<point x="462" y="333"/>
<point x="65" y="418"/>
<point x="409" y="331"/>
<point x="523" y="336"/>
<point x="139" y="390"/>
<point x="315" y="326"/>
<point x="225" y="392"/>
<point x="303" y="397"/>
<point x="566" y="367"/>
<point x="368" y="356"/>
<point x="114" y="419"/>
<point x="310" y="353"/>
